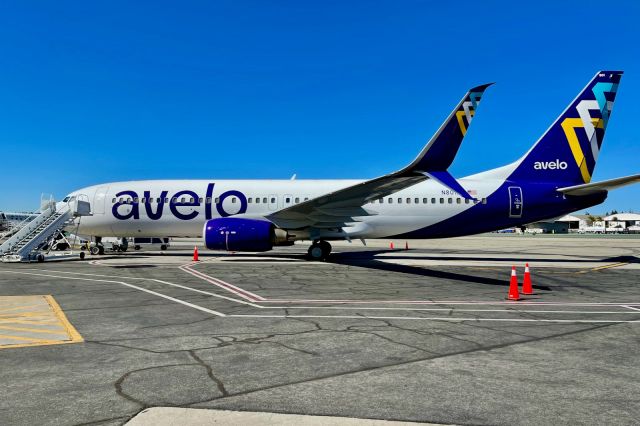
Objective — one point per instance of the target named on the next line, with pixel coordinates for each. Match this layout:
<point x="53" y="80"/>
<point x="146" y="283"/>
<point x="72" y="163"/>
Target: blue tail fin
<point x="567" y="152"/>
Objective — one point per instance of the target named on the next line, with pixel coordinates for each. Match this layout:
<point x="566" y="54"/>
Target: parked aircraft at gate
<point x="421" y="200"/>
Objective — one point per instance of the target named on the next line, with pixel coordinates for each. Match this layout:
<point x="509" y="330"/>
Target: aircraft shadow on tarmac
<point x="367" y="259"/>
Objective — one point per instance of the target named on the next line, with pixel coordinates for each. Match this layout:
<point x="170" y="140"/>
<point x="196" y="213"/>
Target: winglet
<point x="439" y="152"/>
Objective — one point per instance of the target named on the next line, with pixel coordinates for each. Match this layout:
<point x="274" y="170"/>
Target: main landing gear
<point x="319" y="250"/>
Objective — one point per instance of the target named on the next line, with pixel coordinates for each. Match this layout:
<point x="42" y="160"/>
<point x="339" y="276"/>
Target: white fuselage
<point x="180" y="208"/>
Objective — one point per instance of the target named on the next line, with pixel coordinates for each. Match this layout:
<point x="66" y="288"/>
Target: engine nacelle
<point x="240" y="234"/>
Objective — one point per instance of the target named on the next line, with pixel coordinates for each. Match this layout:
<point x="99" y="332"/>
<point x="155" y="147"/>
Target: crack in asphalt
<point x="402" y="363"/>
<point x="215" y="379"/>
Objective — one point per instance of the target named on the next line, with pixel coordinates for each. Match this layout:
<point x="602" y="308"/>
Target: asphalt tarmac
<point x="421" y="335"/>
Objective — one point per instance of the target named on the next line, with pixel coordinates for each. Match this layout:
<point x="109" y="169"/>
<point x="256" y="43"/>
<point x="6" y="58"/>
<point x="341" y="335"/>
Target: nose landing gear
<point x="319" y="250"/>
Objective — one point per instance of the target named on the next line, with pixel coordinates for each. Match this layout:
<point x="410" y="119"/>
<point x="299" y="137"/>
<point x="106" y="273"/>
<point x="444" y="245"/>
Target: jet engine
<point x="240" y="234"/>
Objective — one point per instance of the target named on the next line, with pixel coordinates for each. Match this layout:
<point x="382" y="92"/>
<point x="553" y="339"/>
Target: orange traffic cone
<point x="406" y="245"/>
<point x="513" y="286"/>
<point x="391" y="245"/>
<point x="195" y="254"/>
<point x="527" y="288"/>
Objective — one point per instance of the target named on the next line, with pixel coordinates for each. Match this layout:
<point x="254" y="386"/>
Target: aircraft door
<point x="99" y="200"/>
<point x="515" y="202"/>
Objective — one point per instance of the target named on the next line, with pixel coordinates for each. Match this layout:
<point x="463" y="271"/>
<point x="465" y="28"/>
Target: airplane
<point x="420" y="201"/>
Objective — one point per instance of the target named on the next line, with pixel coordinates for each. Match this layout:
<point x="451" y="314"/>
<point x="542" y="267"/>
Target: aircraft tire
<point x="94" y="250"/>
<point x="319" y="251"/>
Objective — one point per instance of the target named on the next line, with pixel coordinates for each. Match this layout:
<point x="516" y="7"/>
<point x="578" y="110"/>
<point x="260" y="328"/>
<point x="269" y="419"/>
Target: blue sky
<point x="104" y="91"/>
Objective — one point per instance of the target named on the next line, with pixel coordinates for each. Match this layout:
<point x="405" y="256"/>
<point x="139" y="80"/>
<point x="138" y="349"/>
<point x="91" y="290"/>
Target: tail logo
<point x="590" y="125"/>
<point x="468" y="111"/>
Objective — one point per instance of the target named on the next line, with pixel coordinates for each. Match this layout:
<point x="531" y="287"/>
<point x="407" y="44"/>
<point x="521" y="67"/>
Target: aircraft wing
<point x="596" y="187"/>
<point x="334" y="209"/>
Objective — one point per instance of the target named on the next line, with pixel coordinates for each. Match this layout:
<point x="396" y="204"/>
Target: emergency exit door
<point x="515" y="202"/>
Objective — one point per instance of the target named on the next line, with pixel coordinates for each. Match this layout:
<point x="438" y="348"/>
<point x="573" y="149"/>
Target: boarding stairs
<point x="11" y="227"/>
<point x="28" y="243"/>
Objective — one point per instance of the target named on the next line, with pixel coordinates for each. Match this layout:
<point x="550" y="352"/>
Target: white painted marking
<point x="156" y="280"/>
<point x="252" y="297"/>
<point x="629" y="307"/>
<point x="155" y="293"/>
<point x="447" y="319"/>
<point x="512" y="311"/>
<point x="449" y="302"/>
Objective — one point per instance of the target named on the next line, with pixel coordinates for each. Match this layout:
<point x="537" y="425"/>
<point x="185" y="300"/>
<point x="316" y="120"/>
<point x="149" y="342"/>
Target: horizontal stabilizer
<point x="597" y="187"/>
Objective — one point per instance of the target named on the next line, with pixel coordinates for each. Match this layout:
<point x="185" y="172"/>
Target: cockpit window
<point x="66" y="199"/>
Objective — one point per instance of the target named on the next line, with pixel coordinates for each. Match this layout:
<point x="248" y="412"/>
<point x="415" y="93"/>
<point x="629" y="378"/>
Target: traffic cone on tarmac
<point x="391" y="245"/>
<point x="527" y="288"/>
<point x="195" y="254"/>
<point x="513" y="286"/>
<point x="406" y="245"/>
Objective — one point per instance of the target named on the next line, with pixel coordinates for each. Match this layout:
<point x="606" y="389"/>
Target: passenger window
<point x="121" y="200"/>
<point x="306" y="198"/>
<point x="182" y="200"/>
<point x="408" y="200"/>
<point x="217" y="200"/>
<point x="458" y="200"/>
<point x="174" y="199"/>
<point x="191" y="200"/>
<point x="287" y="200"/>
<point x="433" y="201"/>
<point x="297" y="200"/>
<point x="257" y="200"/>
<point x="166" y="200"/>
<point x="264" y="200"/>
<point x="273" y="200"/>
<point x="208" y="200"/>
<point x="390" y="200"/>
<point x="484" y="201"/>
<point x="233" y="200"/>
<point x="135" y="200"/>
<point x="200" y="200"/>
<point x="381" y="200"/>
<point x="466" y="201"/>
<point x="441" y="200"/>
<point x="249" y="200"/>
<point x="143" y="200"/>
<point x="417" y="200"/>
<point x="450" y="200"/>
<point x="399" y="200"/>
<point x="113" y="201"/>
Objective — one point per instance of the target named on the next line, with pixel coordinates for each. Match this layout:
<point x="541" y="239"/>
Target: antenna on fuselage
<point x="293" y="177"/>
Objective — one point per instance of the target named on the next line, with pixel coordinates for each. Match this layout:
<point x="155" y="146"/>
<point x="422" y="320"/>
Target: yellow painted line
<point x="30" y="322"/>
<point x="33" y="330"/>
<point x="613" y="265"/>
<point x="28" y="339"/>
<point x="23" y="321"/>
<point x="26" y="314"/>
<point x="17" y="308"/>
<point x="73" y="333"/>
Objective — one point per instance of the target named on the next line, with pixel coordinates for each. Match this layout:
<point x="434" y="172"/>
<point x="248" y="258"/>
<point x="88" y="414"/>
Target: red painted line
<point x="229" y="287"/>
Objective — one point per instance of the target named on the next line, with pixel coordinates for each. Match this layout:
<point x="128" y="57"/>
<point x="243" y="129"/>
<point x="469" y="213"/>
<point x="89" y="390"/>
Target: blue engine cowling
<point x="239" y="234"/>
